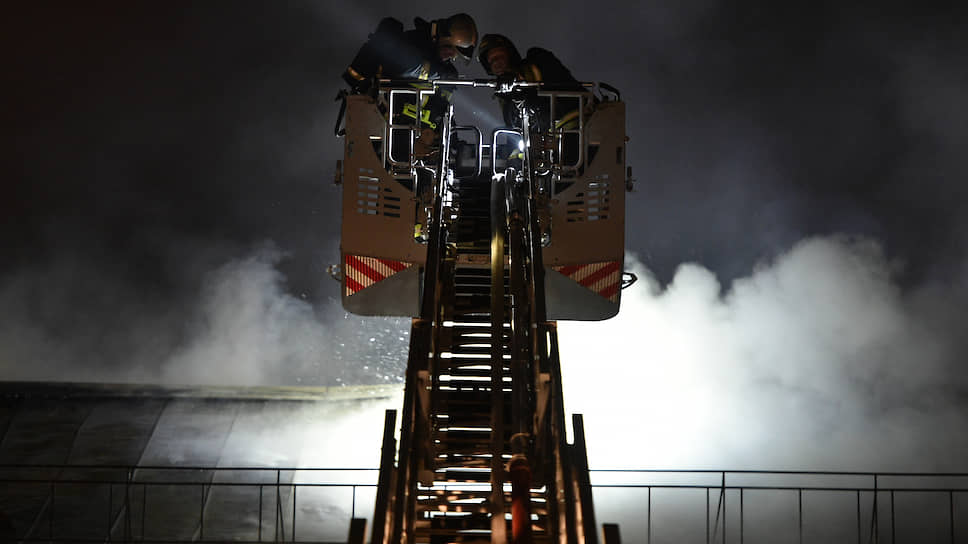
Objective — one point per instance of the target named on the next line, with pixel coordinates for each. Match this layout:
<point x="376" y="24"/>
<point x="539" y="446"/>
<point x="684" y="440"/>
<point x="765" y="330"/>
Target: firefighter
<point x="427" y="52"/>
<point x="500" y="58"/>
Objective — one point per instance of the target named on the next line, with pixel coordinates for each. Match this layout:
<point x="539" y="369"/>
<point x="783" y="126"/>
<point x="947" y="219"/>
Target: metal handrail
<point x="882" y="516"/>
<point x="273" y="470"/>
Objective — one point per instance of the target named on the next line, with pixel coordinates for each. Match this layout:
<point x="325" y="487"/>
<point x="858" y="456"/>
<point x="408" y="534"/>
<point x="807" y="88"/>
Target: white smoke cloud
<point x="74" y="322"/>
<point x="247" y="331"/>
<point x="816" y="360"/>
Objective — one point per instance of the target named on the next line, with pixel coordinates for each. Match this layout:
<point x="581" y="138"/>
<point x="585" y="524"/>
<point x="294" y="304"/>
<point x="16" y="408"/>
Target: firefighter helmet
<point x="493" y="41"/>
<point x="461" y="32"/>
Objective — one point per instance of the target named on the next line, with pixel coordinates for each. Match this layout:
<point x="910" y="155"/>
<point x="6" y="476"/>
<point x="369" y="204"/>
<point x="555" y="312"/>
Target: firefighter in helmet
<point x="500" y="58"/>
<point x="426" y="52"/>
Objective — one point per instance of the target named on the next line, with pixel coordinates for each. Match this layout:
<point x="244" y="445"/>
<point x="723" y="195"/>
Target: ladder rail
<point x="490" y="414"/>
<point x="422" y="344"/>
<point x="498" y="223"/>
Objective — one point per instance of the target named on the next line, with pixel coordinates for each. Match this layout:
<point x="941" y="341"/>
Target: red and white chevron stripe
<point x="602" y="278"/>
<point x="362" y="272"/>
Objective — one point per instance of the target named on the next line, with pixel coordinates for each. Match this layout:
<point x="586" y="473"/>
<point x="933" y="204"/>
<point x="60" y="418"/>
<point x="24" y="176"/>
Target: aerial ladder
<point x="463" y="236"/>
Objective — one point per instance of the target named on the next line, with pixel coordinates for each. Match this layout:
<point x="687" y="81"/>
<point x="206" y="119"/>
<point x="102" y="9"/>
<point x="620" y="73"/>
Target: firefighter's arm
<point x="356" y="80"/>
<point x="368" y="63"/>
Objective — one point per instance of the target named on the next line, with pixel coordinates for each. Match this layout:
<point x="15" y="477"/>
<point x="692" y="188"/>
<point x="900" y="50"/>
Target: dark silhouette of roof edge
<point x="79" y="390"/>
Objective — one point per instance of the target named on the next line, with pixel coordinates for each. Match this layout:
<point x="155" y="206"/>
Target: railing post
<point x="741" y="512"/>
<point x="875" y="526"/>
<point x="278" y="525"/>
<point x="858" y="516"/>
<point x="260" y="512"/>
<point x="724" y="507"/>
<point x="951" y="515"/>
<point x="707" y="515"/>
<point x="649" y="525"/>
<point x="893" y="534"/>
<point x="800" y="513"/>
<point x="201" y="514"/>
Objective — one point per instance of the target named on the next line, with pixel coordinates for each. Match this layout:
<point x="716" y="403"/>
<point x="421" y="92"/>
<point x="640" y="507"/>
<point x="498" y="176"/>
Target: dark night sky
<point x="151" y="136"/>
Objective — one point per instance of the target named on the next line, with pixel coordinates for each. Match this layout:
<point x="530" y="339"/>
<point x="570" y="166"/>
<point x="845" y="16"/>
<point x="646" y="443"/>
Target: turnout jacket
<point x="392" y="53"/>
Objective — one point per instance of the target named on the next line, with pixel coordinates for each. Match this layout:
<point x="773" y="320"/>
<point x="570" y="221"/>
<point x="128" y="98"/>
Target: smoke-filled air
<point x="816" y="359"/>
<point x="240" y="326"/>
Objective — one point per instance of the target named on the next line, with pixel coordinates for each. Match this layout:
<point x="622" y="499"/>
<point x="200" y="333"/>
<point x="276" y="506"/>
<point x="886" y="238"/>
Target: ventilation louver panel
<point x="592" y="204"/>
<point x="371" y="199"/>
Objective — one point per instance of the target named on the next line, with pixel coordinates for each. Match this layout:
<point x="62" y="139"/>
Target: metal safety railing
<point x="61" y="503"/>
<point x="405" y="103"/>
<point x="790" y="506"/>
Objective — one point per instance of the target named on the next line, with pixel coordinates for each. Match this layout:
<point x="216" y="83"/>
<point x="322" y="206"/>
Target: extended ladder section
<point x="482" y="454"/>
<point x="483" y="243"/>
